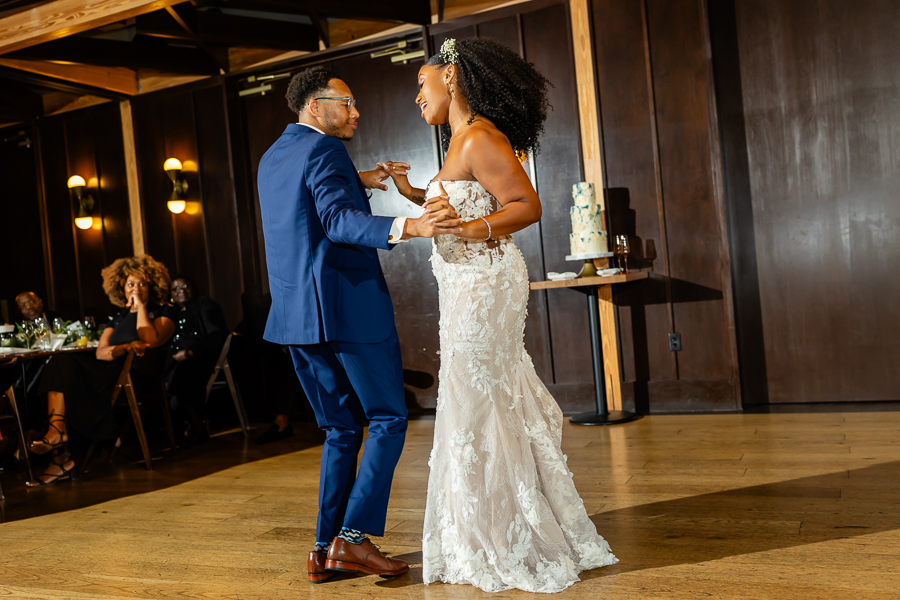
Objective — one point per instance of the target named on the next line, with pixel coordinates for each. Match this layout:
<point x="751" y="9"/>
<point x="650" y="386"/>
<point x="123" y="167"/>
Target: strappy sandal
<point x="43" y="445"/>
<point x="54" y="477"/>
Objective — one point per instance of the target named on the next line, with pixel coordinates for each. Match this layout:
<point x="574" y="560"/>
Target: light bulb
<point x="172" y="164"/>
<point x="176" y="206"/>
<point x="76" y="181"/>
<point x="84" y="222"/>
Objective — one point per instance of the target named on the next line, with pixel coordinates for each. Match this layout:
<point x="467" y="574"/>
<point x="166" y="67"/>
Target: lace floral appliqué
<point x="502" y="511"/>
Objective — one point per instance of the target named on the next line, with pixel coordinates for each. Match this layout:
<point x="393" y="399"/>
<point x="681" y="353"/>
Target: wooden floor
<point x="714" y="506"/>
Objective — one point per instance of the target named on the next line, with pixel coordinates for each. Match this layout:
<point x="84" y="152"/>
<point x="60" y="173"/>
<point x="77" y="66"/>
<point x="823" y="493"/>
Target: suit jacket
<point x="321" y="238"/>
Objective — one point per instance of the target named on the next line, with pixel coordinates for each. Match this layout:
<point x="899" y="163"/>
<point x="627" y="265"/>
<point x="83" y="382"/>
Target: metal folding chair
<point x="223" y="367"/>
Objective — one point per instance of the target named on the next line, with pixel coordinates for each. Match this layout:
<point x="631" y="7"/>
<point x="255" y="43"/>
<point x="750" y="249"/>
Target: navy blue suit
<point x="331" y="305"/>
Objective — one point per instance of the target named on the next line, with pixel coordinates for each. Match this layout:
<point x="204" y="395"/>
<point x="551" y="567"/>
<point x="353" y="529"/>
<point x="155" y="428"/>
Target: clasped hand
<point x="440" y="218"/>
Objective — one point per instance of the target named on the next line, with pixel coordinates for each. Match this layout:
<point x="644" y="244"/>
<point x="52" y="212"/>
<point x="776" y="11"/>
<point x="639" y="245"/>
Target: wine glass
<point x="623" y="250"/>
<point x="28" y="330"/>
<point x="41" y="329"/>
<point x="89" y="323"/>
<point x="59" y="326"/>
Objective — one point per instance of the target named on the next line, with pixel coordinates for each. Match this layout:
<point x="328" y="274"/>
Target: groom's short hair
<point x="306" y="85"/>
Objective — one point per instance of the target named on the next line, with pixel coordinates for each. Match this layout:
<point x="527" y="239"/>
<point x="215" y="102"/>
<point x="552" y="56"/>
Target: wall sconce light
<point x="83" y="218"/>
<point x="176" y="202"/>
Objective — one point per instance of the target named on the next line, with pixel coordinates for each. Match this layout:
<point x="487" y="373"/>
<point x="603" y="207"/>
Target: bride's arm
<point x="398" y="171"/>
<point x="491" y="161"/>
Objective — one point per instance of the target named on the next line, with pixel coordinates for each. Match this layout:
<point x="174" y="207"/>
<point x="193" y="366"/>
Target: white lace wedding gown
<point x="502" y="511"/>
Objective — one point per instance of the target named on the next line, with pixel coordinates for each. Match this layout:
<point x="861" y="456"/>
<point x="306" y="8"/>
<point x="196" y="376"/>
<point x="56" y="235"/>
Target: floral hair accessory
<point x="448" y="51"/>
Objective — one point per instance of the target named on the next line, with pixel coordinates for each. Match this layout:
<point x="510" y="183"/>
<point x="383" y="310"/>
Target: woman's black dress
<point x="199" y="327"/>
<point x="87" y="382"/>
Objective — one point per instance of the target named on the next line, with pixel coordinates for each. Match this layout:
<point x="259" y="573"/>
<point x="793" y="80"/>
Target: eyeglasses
<point x="348" y="101"/>
<point x="181" y="287"/>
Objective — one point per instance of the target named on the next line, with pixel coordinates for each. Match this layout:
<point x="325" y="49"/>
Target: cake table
<point x="591" y="286"/>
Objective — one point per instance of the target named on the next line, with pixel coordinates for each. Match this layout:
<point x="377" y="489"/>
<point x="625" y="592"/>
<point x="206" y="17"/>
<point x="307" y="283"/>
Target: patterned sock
<point x="352" y="535"/>
<point x="322" y="546"/>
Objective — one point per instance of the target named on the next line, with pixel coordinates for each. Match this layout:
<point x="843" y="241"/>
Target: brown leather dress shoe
<point x="344" y="556"/>
<point x="315" y="568"/>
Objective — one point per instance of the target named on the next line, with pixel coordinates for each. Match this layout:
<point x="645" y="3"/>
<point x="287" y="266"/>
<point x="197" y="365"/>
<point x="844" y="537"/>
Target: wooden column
<point x="134" y="190"/>
<point x="589" y="120"/>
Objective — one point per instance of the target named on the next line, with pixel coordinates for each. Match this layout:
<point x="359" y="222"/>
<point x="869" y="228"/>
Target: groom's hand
<point x="372" y="179"/>
<point x="440" y="218"/>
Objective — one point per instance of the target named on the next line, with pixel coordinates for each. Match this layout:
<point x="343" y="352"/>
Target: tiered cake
<point x="587" y="235"/>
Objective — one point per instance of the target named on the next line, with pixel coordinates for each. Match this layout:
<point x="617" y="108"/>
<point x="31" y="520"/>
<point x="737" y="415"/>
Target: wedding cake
<point x="587" y="235"/>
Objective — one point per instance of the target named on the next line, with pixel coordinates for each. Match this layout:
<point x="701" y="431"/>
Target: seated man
<point x="32" y="307"/>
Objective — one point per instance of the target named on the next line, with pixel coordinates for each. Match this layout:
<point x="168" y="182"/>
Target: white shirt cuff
<point x="396" y="234"/>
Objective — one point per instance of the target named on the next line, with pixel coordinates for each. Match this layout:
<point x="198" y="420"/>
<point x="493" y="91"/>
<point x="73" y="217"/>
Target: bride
<point x="502" y="511"/>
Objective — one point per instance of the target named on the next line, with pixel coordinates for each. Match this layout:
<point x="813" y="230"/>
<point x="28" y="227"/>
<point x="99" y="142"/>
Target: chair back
<point x="220" y="364"/>
<point x="122" y="381"/>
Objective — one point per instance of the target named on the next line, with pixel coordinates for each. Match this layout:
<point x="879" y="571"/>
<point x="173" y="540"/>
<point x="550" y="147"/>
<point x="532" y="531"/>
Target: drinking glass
<point x="59" y="326"/>
<point x="41" y="331"/>
<point x="89" y="323"/>
<point x="28" y="330"/>
<point x="623" y="250"/>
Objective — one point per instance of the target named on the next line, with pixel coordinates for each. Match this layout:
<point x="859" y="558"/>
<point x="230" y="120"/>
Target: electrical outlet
<point x="675" y="342"/>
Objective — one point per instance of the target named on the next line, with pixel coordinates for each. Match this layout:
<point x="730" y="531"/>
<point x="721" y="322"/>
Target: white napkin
<point x="561" y="276"/>
<point x="57" y="340"/>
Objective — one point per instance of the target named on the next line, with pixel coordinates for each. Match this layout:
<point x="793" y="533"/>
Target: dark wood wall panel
<point x="149" y="117"/>
<point x="82" y="160"/>
<point x="264" y="119"/>
<point x="219" y="206"/>
<point x="547" y="43"/>
<point x="87" y="143"/>
<point x="113" y="194"/>
<point x="660" y="153"/>
<point x="738" y="203"/>
<point x="632" y="170"/>
<point x="820" y="89"/>
<point x="696" y="244"/>
<point x="60" y="226"/>
<point x="202" y="242"/>
<point x="21" y="221"/>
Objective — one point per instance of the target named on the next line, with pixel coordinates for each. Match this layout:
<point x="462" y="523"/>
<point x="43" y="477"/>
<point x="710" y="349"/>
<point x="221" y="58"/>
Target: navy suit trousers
<point x="349" y="384"/>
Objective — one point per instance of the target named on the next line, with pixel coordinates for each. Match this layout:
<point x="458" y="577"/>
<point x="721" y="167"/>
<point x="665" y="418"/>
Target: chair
<point x="8" y="376"/>
<point x="223" y="366"/>
<point x="124" y="383"/>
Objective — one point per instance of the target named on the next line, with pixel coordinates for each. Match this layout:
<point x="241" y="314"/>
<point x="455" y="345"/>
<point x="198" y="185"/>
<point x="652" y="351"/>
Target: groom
<point x="331" y="305"/>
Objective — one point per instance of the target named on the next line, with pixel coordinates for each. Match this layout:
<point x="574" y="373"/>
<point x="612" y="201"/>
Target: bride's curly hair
<point x="500" y="85"/>
<point x="144" y="266"/>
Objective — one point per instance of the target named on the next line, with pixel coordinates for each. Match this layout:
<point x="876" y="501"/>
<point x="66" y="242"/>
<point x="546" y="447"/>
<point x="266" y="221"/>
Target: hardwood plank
<point x="788" y="527"/>
<point x="62" y="18"/>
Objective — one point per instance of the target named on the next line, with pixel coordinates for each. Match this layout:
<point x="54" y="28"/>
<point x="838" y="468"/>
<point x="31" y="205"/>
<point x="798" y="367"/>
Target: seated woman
<point x="79" y="386"/>
<point x="200" y="332"/>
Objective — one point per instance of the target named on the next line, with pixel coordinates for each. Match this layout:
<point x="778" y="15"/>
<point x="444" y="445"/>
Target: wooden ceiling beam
<point x="131" y="55"/>
<point x="187" y="20"/>
<point x="63" y="18"/>
<point x="218" y="29"/>
<point x="106" y="82"/>
<point x="395" y="11"/>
